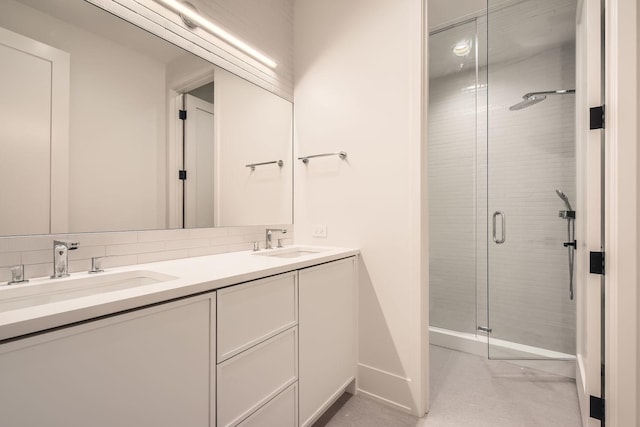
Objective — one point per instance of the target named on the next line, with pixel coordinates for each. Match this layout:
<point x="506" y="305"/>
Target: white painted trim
<point x="374" y="383"/>
<point x="621" y="202"/>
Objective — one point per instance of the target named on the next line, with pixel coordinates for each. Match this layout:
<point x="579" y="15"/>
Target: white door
<point x="199" y="163"/>
<point x="34" y="109"/>
<point x="589" y="163"/>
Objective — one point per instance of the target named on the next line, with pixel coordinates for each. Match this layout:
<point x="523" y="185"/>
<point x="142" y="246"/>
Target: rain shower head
<point x="527" y="102"/>
<point x="533" y="98"/>
<point x="565" y="199"/>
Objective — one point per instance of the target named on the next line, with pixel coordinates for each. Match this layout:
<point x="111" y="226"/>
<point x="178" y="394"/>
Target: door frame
<point x="621" y="204"/>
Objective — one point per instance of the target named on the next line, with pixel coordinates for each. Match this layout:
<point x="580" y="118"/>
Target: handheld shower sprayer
<point x="564" y="198"/>
<point x="571" y="245"/>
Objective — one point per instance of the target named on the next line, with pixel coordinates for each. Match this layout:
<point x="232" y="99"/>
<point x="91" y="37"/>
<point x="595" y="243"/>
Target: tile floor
<point x="468" y="390"/>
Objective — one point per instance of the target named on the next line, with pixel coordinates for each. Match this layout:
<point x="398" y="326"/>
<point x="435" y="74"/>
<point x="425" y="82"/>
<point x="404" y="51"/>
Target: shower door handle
<point x="503" y="236"/>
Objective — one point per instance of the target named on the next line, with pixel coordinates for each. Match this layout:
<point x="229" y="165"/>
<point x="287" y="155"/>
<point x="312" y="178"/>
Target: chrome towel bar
<point x="341" y="154"/>
<point x="253" y="165"/>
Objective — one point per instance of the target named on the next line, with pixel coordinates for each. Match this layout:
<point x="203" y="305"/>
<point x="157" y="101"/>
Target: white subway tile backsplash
<point x="119" y="261"/>
<point x="135" y="248"/>
<point x="162" y="235"/>
<point x="111" y="238"/>
<point x="186" y="244"/>
<point x="208" y="233"/>
<point x="10" y="259"/>
<point x="163" y="256"/>
<point x="209" y="250"/>
<point x="38" y="270"/>
<point x="127" y="248"/>
<point x="37" y="257"/>
<point x="87" y="252"/>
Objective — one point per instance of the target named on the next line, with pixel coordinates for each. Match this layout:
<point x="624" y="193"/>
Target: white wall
<point x="358" y="88"/>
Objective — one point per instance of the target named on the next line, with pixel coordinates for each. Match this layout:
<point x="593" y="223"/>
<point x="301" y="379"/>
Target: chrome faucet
<point x="268" y="244"/>
<point x="61" y="258"/>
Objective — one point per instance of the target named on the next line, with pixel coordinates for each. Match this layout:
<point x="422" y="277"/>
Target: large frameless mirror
<point x="94" y="135"/>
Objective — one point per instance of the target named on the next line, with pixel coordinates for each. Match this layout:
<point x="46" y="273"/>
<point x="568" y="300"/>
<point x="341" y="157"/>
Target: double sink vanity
<point x="263" y="338"/>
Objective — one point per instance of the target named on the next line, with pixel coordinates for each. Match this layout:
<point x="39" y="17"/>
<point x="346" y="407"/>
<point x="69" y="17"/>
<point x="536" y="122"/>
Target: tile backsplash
<point x="128" y="247"/>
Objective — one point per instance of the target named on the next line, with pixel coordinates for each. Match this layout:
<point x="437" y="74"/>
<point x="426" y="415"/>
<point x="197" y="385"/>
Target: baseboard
<point x="385" y="387"/>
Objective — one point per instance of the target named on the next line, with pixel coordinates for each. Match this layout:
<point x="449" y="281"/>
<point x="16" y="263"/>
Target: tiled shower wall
<point x="128" y="248"/>
<point x="531" y="153"/>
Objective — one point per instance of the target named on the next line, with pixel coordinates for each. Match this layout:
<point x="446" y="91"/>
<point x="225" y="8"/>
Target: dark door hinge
<point x="182" y="175"/>
<point x="182" y="114"/>
<point x="596" y="262"/>
<point x="596" y="117"/>
<point x="596" y="408"/>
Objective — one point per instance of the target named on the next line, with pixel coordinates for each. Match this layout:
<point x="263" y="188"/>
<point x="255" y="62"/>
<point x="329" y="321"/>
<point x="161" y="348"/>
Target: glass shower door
<point x="530" y="162"/>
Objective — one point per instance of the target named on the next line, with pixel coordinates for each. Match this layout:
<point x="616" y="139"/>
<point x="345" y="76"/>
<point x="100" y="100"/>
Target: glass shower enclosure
<point x="501" y="141"/>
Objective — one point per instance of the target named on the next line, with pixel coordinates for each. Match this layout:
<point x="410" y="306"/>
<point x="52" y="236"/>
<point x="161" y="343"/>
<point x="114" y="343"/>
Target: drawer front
<point x="250" y="313"/>
<point x="281" y="411"/>
<point x="252" y="378"/>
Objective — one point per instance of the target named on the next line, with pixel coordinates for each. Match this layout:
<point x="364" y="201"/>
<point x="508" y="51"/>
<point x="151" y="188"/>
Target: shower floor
<point x="469" y="390"/>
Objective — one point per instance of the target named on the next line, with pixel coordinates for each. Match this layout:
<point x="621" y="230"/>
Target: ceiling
<point x="516" y="29"/>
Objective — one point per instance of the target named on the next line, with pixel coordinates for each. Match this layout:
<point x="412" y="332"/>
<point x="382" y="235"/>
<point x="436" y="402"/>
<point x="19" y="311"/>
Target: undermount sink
<point x="291" y="252"/>
<point x="14" y="297"/>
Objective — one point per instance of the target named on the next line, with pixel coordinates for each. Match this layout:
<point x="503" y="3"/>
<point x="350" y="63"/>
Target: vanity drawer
<point x="255" y="376"/>
<point x="281" y="411"/>
<point x="253" y="312"/>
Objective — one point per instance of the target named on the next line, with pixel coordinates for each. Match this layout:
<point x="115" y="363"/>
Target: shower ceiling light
<point x="189" y="14"/>
<point x="462" y="48"/>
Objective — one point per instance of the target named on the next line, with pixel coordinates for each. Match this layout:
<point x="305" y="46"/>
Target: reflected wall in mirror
<point x="92" y="135"/>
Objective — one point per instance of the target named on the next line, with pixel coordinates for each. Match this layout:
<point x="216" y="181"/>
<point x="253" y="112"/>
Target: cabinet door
<point x="281" y="411"/>
<point x="327" y="335"/>
<point x="149" y="367"/>
<point x="253" y="312"/>
<point x="254" y="377"/>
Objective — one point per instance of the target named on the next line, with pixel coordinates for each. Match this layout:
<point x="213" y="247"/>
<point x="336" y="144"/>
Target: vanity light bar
<point x="193" y="16"/>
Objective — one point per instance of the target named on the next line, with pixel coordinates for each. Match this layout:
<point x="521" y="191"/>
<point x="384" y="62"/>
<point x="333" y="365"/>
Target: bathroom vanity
<point x="248" y="339"/>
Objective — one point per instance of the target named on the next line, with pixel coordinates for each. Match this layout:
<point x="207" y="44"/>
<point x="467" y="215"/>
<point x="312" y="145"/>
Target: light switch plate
<point x="319" y="230"/>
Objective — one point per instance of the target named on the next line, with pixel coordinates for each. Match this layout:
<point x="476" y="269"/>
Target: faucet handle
<point x="17" y="275"/>
<point x="96" y="264"/>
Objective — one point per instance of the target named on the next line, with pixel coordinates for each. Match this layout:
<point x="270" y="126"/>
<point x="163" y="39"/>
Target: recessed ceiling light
<point x="462" y="48"/>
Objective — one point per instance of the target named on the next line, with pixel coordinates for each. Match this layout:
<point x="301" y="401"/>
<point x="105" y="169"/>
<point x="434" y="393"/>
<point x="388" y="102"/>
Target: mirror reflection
<point x="94" y="135"/>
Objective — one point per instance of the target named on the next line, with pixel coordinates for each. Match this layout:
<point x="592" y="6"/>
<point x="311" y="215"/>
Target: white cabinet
<point x="281" y="411"/>
<point x="273" y="352"/>
<point x="150" y="367"/>
<point x="254" y="311"/>
<point x="257" y="351"/>
<point x="253" y="377"/>
<point x="327" y="335"/>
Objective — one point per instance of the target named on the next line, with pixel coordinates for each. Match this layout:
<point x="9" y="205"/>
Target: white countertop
<point x="192" y="276"/>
